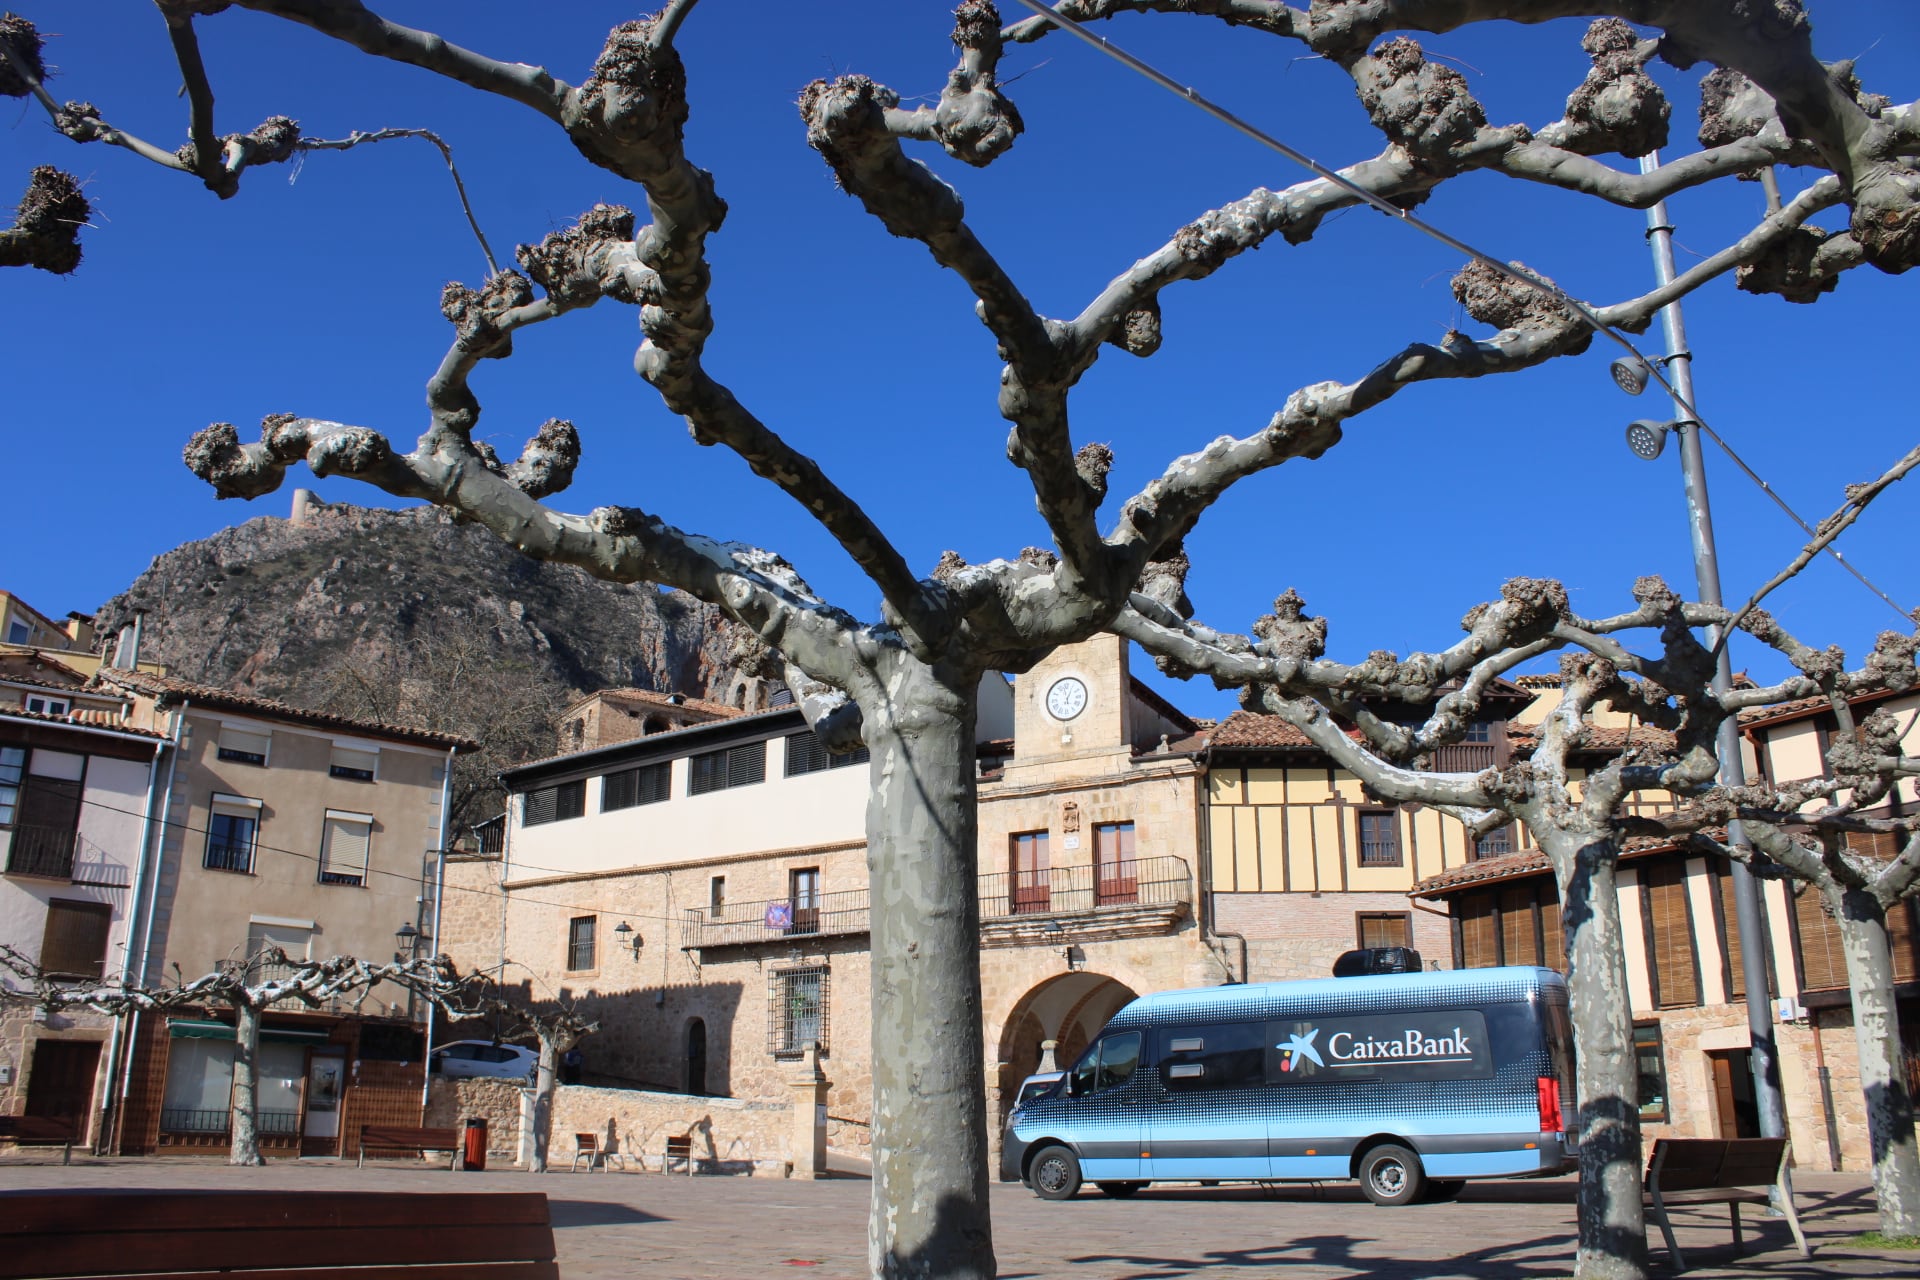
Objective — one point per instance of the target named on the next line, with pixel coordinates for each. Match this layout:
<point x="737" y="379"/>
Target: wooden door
<point x="804" y="897"/>
<point x="1115" y="879"/>
<point x="1724" y="1116"/>
<point x="61" y="1086"/>
<point x="1030" y="888"/>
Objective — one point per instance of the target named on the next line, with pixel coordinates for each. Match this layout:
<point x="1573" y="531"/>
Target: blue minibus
<point x="1410" y="1083"/>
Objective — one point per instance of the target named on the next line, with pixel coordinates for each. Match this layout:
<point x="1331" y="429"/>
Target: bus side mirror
<point x="1067" y="1086"/>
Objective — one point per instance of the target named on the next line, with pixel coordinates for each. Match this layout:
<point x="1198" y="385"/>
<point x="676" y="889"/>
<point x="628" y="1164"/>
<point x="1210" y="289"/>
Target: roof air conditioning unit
<point x="1372" y="960"/>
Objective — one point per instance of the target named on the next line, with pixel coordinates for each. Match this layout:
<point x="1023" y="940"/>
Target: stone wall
<point x="451" y="1103"/>
<point x="1292" y="936"/>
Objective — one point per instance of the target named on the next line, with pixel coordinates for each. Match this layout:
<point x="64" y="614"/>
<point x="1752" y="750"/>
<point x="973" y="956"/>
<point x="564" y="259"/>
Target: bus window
<point x="1106" y="1065"/>
<point x="1224" y="1056"/>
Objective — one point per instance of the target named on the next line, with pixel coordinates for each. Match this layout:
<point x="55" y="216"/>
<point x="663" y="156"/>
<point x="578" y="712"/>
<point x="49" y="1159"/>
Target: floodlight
<point x="1631" y="374"/>
<point x="1647" y="438"/>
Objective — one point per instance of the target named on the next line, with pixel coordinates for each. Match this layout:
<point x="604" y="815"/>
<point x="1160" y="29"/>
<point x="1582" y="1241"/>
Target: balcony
<point x="39" y="851"/>
<point x="1133" y="898"/>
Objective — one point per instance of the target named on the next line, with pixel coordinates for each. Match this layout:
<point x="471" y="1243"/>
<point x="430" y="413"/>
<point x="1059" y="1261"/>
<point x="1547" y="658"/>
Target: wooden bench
<point x="679" y="1147"/>
<point x="1684" y="1172"/>
<point x="586" y="1146"/>
<point x="385" y="1138"/>
<point x="275" y="1235"/>
<point x="33" y="1131"/>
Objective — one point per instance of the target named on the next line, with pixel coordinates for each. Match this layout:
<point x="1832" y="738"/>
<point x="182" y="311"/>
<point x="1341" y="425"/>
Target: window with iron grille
<point x="806" y="754"/>
<point x="580" y="938"/>
<point x="796" y="1010"/>
<point x="233" y="826"/>
<point x="646" y="785"/>
<point x="75" y="942"/>
<point x="739" y="766"/>
<point x="242" y="747"/>
<point x="556" y="803"/>
<point x="717" y="897"/>
<point x="1379" y="838"/>
<point x="1494" y="843"/>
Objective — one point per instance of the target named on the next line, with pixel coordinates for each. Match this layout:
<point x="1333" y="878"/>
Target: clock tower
<point x="1074" y="703"/>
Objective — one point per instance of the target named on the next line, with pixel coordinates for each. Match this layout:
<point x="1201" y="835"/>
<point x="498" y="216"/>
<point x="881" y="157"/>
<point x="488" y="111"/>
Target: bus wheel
<point x="1119" y="1190"/>
<point x="1054" y="1174"/>
<point x="1441" y="1190"/>
<point x="1391" y="1175"/>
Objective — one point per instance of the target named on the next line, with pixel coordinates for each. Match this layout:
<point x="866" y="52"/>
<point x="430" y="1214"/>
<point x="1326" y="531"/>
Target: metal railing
<point x="1151" y="882"/>
<point x="228" y="857"/>
<point x="1161" y="881"/>
<point x="40" y="851"/>
<point x="280" y="1124"/>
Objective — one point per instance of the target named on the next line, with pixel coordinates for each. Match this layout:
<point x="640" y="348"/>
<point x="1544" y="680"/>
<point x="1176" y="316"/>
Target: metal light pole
<point x="1706" y="567"/>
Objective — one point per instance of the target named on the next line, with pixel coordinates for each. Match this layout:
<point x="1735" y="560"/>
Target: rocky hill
<point x="263" y="606"/>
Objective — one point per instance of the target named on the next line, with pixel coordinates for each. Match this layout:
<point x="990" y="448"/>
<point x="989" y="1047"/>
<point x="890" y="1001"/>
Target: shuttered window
<point x="647" y="784"/>
<point x="233" y="827"/>
<point x="1384" y="928"/>
<point x="1905" y="941"/>
<point x="354" y="766"/>
<point x="1735" y="943"/>
<point x="1823" y="961"/>
<point x="242" y="747"/>
<point x="1553" y="953"/>
<point x="344" y="846"/>
<point x="1379" y="838"/>
<point x="734" y="767"/>
<point x="1518" y="943"/>
<point x="1479" y="944"/>
<point x="556" y="803"/>
<point x="1676" y="972"/>
<point x="75" y="941"/>
<point x="805" y="754"/>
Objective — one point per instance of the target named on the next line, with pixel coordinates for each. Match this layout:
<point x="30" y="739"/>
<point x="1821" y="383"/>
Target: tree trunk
<point x="929" y="1216"/>
<point x="245" y="1120"/>
<point x="1613" y="1237"/>
<point x="543" y="1080"/>
<point x="1883" y="1077"/>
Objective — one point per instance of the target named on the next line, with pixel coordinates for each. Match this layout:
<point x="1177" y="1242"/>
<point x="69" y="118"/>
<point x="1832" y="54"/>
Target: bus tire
<point x="1391" y="1175"/>
<point x="1054" y="1174"/>
<point x="1119" y="1190"/>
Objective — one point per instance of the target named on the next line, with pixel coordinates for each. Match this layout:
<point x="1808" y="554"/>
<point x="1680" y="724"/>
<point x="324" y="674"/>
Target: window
<point x="75" y="942"/>
<point x="344" y="845"/>
<point x="1650" y="1065"/>
<point x="1478" y="731"/>
<point x="1108" y="1065"/>
<point x="580" y="939"/>
<point x="42" y="790"/>
<point x="646" y="785"/>
<point x="242" y="747"/>
<point x="294" y="941"/>
<point x="233" y="829"/>
<point x="796" y="1010"/>
<point x="1676" y="974"/>
<point x="1494" y="843"/>
<point x="803" y="894"/>
<point x="48" y="706"/>
<point x="18" y="632"/>
<point x="354" y="766"/>
<point x="805" y="754"/>
<point x="1029" y="891"/>
<point x="557" y="803"/>
<point x="1232" y="1056"/>
<point x="13" y="767"/>
<point x="1115" y="874"/>
<point x="199" y="1086"/>
<point x="1385" y="928"/>
<point x="733" y="767"/>
<point x="717" y="897"/>
<point x="1379" y="838"/>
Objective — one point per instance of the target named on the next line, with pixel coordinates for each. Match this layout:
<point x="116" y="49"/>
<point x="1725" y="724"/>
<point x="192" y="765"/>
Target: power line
<point x="1519" y="274"/>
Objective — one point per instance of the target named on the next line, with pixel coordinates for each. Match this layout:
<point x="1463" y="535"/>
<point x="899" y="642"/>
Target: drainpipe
<point x="1204" y="842"/>
<point x="439" y="894"/>
<point x="117" y="1038"/>
<point x="137" y="959"/>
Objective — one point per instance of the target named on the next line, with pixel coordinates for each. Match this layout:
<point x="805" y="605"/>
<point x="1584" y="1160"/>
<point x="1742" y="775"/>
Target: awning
<point x="207" y="1029"/>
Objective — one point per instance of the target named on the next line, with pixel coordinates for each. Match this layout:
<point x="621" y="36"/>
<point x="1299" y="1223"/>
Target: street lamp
<point x="1647" y="438"/>
<point x="1630" y="374"/>
<point x="407" y="938"/>
<point x="629" y="937"/>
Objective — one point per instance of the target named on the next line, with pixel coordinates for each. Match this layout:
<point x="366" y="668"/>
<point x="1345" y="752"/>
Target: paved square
<point x="658" y="1227"/>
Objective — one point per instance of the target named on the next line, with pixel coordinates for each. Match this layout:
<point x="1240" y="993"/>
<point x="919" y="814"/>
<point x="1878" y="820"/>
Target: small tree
<point x="557" y="1028"/>
<point x="243" y="987"/>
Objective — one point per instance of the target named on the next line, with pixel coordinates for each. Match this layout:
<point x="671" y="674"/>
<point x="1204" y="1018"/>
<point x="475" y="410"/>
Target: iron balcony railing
<point x="1161" y="881"/>
<point x="191" y="1120"/>
<point x="39" y="851"/>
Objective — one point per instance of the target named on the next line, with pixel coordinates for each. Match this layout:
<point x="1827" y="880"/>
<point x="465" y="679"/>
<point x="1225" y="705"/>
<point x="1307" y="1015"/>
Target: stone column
<point x="809" y="1115"/>
<point x="1046" y="1056"/>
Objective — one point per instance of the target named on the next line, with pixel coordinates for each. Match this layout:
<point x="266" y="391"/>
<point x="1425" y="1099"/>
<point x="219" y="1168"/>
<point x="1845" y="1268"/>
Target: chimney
<point x="80" y="631"/>
<point x="126" y="649"/>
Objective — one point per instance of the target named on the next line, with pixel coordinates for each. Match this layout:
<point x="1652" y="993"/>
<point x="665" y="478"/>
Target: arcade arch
<point x="1068" y="1009"/>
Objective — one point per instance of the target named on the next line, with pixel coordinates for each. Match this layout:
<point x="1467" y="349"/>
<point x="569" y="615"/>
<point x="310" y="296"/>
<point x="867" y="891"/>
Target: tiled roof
<point x="171" y="687"/>
<point x="1512" y="866"/>
<point x="1249" y="729"/>
<point x="653" y="698"/>
<point x="85" y="718"/>
<point x="1601" y="739"/>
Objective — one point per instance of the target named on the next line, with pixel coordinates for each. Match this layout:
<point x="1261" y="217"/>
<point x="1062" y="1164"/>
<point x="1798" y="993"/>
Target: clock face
<point x="1067" y="698"/>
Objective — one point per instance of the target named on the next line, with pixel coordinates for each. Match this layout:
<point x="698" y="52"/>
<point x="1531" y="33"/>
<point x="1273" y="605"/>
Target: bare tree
<point x="557" y="1028"/>
<point x="249" y="987"/>
<point x="904" y="682"/>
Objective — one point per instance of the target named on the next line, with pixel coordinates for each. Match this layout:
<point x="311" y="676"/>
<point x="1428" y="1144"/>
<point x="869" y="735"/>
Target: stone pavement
<point x="656" y="1227"/>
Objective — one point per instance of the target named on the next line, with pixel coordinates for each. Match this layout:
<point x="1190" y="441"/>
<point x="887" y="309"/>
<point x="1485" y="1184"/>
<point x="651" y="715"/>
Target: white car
<point x="467" y="1058"/>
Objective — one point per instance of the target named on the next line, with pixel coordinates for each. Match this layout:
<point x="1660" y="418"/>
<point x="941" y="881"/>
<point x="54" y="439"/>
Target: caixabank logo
<point x="1429" y="1044"/>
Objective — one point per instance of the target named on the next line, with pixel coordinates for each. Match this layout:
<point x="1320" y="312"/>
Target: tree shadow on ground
<point x="595" y="1213"/>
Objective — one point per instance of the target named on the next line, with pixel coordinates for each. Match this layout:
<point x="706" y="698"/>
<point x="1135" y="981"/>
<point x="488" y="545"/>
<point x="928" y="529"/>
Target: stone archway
<point x="1069" y="1009"/>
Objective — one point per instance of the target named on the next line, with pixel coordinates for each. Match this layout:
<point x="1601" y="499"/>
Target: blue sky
<point x="318" y="296"/>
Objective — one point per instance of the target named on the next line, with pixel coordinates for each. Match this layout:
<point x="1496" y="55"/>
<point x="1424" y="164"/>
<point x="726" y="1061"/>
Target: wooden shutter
<point x="1479" y="946"/>
<point x="1676" y="971"/>
<point x="1554" y="936"/>
<point x="540" y="807"/>
<point x="617" y="790"/>
<point x="1730" y="931"/>
<point x="1518" y="943"/>
<point x="343" y="852"/>
<point x="805" y="754"/>
<point x="747" y="765"/>
<point x="1904" y="941"/>
<point x="570" y="799"/>
<point x="75" y="941"/>
<point x="1823" y="962"/>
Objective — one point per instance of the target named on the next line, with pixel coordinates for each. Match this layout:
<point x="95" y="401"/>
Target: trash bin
<point x="475" y="1156"/>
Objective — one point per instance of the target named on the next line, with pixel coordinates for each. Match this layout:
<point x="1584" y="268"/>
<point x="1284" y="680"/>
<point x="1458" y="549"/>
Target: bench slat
<point x="114" y="1210"/>
<point x="458" y="1271"/>
<point x="188" y="1247"/>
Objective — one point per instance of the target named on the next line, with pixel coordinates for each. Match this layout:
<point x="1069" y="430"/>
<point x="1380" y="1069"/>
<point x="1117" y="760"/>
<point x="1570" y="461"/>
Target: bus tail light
<point x="1551" y="1120"/>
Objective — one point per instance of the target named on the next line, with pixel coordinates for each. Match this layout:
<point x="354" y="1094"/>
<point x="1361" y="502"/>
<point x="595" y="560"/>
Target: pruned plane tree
<point x="903" y="681"/>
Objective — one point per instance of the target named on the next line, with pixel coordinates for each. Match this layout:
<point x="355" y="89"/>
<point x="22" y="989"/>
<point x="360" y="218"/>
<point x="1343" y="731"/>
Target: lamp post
<point x="1647" y="438"/>
<point x="407" y="939"/>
